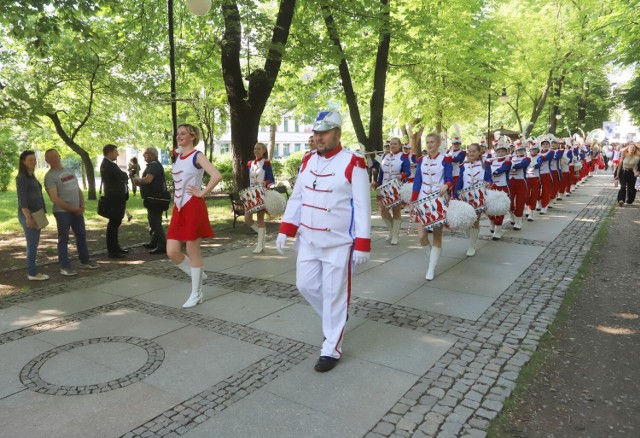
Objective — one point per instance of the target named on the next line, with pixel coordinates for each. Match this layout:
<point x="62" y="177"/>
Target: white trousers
<point x="323" y="277"/>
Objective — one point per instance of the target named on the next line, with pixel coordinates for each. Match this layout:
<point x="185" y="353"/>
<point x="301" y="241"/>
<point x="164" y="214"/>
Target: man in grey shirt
<point x="68" y="209"/>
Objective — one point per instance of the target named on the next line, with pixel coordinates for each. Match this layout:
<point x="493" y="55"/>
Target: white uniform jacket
<point x="457" y="158"/>
<point x="518" y="167"/>
<point x="544" y="159"/>
<point x="533" y="169"/>
<point x="330" y="204"/>
<point x="500" y="168"/>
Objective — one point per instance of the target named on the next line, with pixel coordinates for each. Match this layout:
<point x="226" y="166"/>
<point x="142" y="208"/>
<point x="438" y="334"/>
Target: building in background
<point x="291" y="136"/>
<point x="625" y="130"/>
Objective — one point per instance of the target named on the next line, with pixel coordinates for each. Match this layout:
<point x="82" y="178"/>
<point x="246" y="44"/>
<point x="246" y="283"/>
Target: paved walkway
<point x="114" y="354"/>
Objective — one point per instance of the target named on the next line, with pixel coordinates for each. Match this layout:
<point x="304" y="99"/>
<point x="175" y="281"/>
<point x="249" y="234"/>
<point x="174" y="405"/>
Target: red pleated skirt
<point x="191" y="222"/>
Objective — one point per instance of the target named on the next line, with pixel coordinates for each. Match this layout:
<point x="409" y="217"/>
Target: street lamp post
<point x="172" y="74"/>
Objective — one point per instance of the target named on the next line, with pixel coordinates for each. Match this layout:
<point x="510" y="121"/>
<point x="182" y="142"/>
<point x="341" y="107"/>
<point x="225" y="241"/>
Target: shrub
<point x="224" y="164"/>
<point x="292" y="164"/>
<point x="8" y="159"/>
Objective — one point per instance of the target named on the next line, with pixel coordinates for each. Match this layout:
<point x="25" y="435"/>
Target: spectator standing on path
<point x="116" y="193"/>
<point x="190" y="218"/>
<point x="331" y="208"/>
<point x="134" y="173"/>
<point x="153" y="184"/>
<point x="626" y="173"/>
<point x="68" y="209"/>
<point x="30" y="200"/>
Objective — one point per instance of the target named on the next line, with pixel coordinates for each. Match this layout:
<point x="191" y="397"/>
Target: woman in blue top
<point x="29" y="200"/>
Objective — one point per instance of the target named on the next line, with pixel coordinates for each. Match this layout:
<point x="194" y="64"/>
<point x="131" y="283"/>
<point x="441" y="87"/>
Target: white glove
<point x="281" y="242"/>
<point x="360" y="257"/>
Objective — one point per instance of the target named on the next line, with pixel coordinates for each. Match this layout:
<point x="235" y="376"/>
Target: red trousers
<point x="585" y="170"/>
<point x="565" y="183"/>
<point x="498" y="219"/>
<point x="555" y="184"/>
<point x="534" y="192"/>
<point x="547" y="184"/>
<point x="574" y="177"/>
<point x="453" y="187"/>
<point x="519" y="193"/>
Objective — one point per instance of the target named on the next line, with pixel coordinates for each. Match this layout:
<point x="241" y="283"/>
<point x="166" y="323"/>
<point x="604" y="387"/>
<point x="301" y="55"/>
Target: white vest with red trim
<point x="432" y="172"/>
<point x="391" y="166"/>
<point x="185" y="174"/>
<point x="473" y="174"/>
<point x="256" y="172"/>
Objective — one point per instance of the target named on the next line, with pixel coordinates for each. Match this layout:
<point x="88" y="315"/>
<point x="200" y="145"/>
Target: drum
<point x="431" y="210"/>
<point x="476" y="196"/>
<point x="252" y="198"/>
<point x="389" y="193"/>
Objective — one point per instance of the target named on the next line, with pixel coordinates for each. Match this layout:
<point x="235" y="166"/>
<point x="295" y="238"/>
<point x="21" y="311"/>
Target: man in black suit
<point x="116" y="192"/>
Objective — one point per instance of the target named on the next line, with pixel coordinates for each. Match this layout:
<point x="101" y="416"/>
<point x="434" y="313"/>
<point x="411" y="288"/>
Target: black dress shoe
<point x="123" y="251"/>
<point x="158" y="251"/>
<point x="149" y="245"/>
<point x="117" y="256"/>
<point x="325" y="363"/>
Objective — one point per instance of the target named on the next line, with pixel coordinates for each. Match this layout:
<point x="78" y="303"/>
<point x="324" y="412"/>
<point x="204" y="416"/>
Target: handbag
<point x="158" y="201"/>
<point x="103" y="205"/>
<point x="40" y="219"/>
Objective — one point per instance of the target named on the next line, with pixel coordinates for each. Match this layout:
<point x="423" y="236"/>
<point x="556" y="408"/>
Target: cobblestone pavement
<point x="458" y="396"/>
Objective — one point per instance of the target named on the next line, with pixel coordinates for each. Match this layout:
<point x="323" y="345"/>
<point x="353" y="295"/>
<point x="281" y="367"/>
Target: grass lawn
<point x="219" y="212"/>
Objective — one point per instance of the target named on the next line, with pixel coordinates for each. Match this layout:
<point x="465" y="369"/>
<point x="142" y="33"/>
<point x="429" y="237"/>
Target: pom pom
<point x="460" y="215"/>
<point x="405" y="192"/>
<point x="498" y="203"/>
<point x="274" y="203"/>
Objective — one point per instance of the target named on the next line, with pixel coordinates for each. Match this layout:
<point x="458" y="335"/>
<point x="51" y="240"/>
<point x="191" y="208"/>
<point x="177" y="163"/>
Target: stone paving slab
<point x="447" y="302"/>
<point x="412" y="366"/>
<point x="16" y="317"/>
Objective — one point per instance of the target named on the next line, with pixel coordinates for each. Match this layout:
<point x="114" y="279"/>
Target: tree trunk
<point x="244" y="135"/>
<point x="247" y="105"/>
<point x="376" y="106"/>
<point x="272" y="139"/>
<point x="372" y="141"/>
<point x="415" y="137"/>
<point x="84" y="155"/>
<point x="540" y="103"/>
<point x="555" y="108"/>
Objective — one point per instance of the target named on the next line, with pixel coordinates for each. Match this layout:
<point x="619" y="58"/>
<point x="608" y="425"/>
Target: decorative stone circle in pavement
<point x="458" y="396"/>
<point x="30" y="374"/>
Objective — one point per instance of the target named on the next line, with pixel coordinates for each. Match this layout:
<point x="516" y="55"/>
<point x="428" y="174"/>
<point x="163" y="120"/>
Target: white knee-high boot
<point x="433" y="261"/>
<point x="389" y="223"/>
<point x="196" y="288"/>
<point x="185" y="266"/>
<point x="254" y="227"/>
<point x="518" y="224"/>
<point x="396" y="231"/>
<point x="260" y="245"/>
<point x="473" y="238"/>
